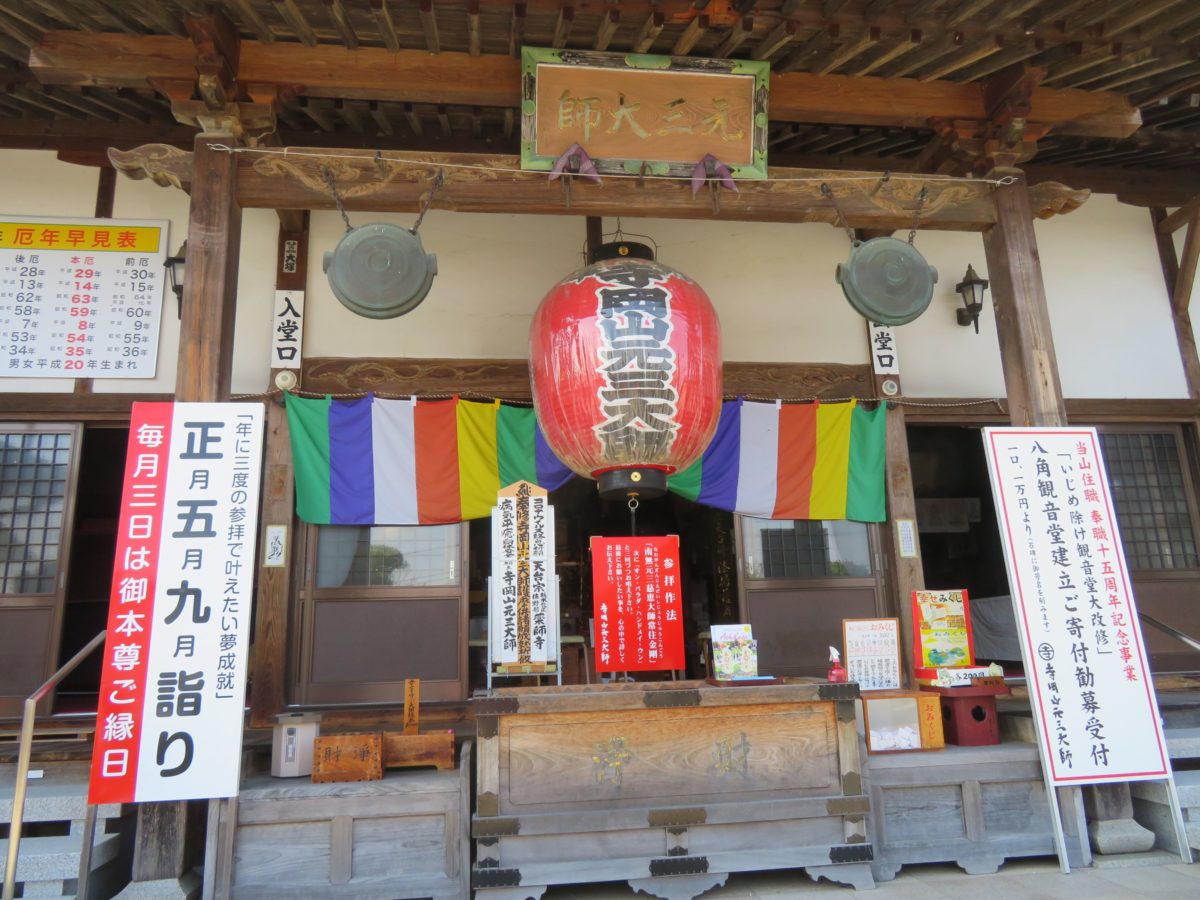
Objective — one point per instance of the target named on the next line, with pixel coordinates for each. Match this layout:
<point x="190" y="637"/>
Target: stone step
<point x="1183" y="743"/>
<point x="60" y="794"/>
<point x="57" y="858"/>
<point x="1187" y="785"/>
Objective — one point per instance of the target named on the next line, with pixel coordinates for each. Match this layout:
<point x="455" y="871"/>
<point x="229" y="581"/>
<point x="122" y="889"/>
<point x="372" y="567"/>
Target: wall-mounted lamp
<point x="971" y="290"/>
<point x="176" y="265"/>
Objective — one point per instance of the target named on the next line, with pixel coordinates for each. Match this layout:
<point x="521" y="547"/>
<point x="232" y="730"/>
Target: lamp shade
<point x="625" y="360"/>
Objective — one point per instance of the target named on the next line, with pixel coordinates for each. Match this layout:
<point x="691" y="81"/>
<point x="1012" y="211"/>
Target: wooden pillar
<point x="1035" y="398"/>
<point x="269" y="686"/>
<point x="169" y="838"/>
<point x="1179" y="292"/>
<point x="210" y="285"/>
<point x="904" y="574"/>
<point x="1022" y="319"/>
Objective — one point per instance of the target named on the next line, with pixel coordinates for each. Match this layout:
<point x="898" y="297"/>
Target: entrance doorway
<point x="706" y="559"/>
<point x="60" y="495"/>
<point x="1151" y="472"/>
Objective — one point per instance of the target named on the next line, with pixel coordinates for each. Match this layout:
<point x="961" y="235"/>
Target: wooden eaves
<point x="134" y="61"/>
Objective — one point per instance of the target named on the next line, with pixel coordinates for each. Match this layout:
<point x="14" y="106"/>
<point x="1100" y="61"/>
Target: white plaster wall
<point x="1109" y="310"/>
<point x="939" y="357"/>
<point x="35" y="183"/>
<point x="773" y="287"/>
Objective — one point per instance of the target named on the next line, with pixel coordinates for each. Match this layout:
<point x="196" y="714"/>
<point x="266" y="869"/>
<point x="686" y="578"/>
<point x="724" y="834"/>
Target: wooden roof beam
<point x="473" y="34"/>
<point x="691" y="35"/>
<point x="905" y="44"/>
<point x="253" y="21"/>
<point x="294" y="17"/>
<point x="112" y="60"/>
<point x="516" y="33"/>
<point x="383" y="21"/>
<point x="433" y="41"/>
<point x="341" y="24"/>
<point x="735" y="37"/>
<point x="295" y="181"/>
<point x="775" y="40"/>
<point x="847" y="52"/>
<point x="562" y="29"/>
<point x="649" y="32"/>
<point x="1138" y="15"/>
<point x="607" y="28"/>
<point x="984" y="47"/>
<point x="1176" y="220"/>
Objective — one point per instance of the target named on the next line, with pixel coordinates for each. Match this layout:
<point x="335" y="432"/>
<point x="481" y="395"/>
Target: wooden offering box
<point x="668" y="785"/>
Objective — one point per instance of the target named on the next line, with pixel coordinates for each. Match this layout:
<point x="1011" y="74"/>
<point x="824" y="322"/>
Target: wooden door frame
<point x="11" y="705"/>
<point x="876" y="582"/>
<point x="302" y="626"/>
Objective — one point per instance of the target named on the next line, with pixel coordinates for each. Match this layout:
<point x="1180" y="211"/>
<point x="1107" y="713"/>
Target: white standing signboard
<point x="523" y="607"/>
<point x="1085" y="661"/>
<point x="169" y="724"/>
<point x="81" y="298"/>
<point x="872" y="648"/>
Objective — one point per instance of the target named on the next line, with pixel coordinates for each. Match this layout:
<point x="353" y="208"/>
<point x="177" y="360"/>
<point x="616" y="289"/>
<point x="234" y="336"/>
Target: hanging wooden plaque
<point x="643" y="114"/>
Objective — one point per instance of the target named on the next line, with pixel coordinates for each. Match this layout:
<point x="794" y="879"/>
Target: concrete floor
<point x="1038" y="879"/>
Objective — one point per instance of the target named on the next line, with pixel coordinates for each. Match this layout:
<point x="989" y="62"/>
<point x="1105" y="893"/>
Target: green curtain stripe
<point x="687" y="483"/>
<point x="516" y="445"/>
<point x="308" y="422"/>
<point x="866" y="497"/>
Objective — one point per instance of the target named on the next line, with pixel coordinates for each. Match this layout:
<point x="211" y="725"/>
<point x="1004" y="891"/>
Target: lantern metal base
<point x="633" y="482"/>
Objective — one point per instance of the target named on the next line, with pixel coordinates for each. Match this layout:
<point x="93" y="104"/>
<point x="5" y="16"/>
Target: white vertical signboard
<point x="523" y="606"/>
<point x="1085" y="660"/>
<point x="173" y="689"/>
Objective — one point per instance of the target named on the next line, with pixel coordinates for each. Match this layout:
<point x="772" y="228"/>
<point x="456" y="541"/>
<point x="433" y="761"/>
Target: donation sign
<point x="523" y="616"/>
<point x="638" y="603"/>
<point x="1081" y="642"/>
<point x="80" y="298"/>
<point x="173" y="683"/>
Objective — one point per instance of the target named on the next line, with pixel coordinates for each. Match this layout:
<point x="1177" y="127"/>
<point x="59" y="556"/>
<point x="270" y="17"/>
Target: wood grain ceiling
<point x="1147" y="51"/>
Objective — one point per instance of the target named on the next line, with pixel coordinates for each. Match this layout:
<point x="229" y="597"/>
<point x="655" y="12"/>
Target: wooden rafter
<point x="692" y="33"/>
<point x="433" y="41"/>
<point x="609" y="24"/>
<point x="337" y="15"/>
<point x="649" y="32"/>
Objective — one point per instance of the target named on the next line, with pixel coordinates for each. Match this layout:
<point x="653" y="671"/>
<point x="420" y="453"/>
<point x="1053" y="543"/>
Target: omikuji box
<point x="292" y="744"/>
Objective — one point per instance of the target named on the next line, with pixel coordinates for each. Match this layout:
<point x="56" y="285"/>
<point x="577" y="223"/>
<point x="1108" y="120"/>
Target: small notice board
<point x="872" y="648"/>
<point x="941" y="630"/>
<point x="81" y="298"/>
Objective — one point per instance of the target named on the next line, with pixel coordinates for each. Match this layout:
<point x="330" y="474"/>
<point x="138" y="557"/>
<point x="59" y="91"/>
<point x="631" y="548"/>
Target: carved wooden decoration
<point x="509" y="378"/>
<point x="163" y="164"/>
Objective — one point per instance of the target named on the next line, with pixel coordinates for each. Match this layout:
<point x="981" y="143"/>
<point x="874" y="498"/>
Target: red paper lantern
<point x="625" y="358"/>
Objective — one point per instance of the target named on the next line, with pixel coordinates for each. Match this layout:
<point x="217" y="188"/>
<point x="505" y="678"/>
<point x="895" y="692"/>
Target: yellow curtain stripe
<point x="833" y="457"/>
<point x="478" y="461"/>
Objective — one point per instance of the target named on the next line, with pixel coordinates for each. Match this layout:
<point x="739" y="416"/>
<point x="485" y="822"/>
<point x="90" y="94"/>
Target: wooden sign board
<point x="523" y="604"/>
<point x="637" y="113"/>
<point x="872" y="653"/>
<point x="348" y="757"/>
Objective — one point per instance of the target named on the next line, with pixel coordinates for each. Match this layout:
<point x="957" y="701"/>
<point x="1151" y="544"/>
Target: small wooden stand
<point x="969" y="714"/>
<point x="412" y="748"/>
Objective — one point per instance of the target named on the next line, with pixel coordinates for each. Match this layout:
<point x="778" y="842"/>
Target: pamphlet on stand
<point x="735" y="656"/>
